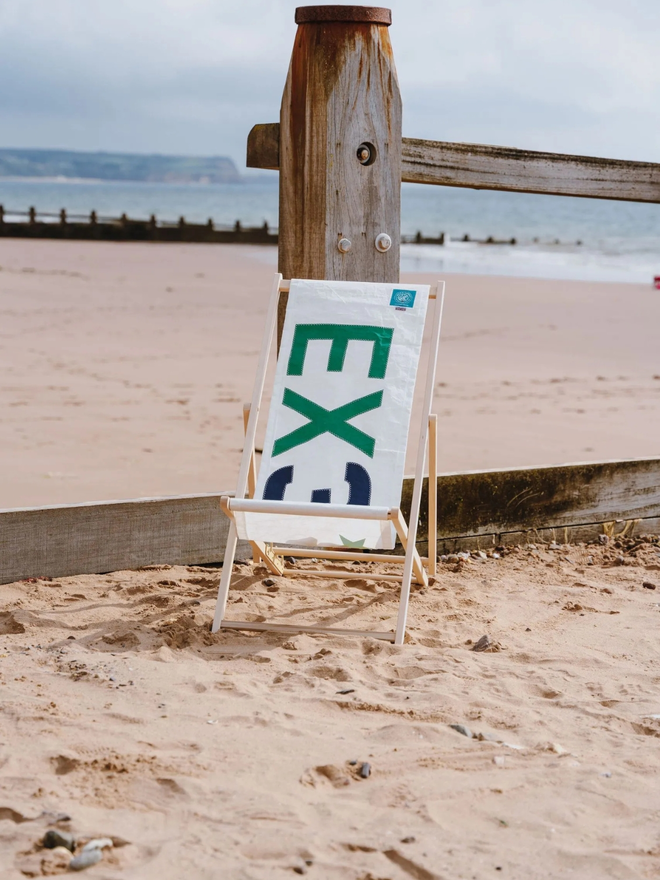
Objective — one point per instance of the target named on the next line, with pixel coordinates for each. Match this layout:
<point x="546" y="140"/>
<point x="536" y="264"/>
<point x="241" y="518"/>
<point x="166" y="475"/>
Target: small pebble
<point x="365" y="770"/>
<point x="452" y="557"/>
<point x="347" y="691"/>
<point x="607" y="774"/>
<point x="603" y="539"/>
<point x="590" y="560"/>
<point x="86" y="859"/>
<point x="290" y="559"/>
<point x="407" y="839"/>
<point x="648" y="585"/>
<point x="483" y="644"/>
<point x="462" y="729"/>
<point x="352" y="763"/>
<point x="98" y="843"/>
<point x="268" y="582"/>
<point x="55" y="838"/>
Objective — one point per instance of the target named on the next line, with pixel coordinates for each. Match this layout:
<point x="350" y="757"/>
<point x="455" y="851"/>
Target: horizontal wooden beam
<point x="478" y="166"/>
<point x="491" y="504"/>
<point x="263" y="146"/>
<point x="568" y="502"/>
<point x="113" y="535"/>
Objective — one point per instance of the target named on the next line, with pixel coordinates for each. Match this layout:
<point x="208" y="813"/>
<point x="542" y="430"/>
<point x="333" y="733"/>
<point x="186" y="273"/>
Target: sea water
<point x="556" y="237"/>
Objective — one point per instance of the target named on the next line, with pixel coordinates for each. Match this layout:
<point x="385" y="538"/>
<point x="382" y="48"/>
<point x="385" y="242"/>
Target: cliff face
<point x="117" y="166"/>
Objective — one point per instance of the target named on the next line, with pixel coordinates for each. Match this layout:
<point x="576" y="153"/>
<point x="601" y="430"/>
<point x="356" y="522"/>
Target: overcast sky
<point x="193" y="76"/>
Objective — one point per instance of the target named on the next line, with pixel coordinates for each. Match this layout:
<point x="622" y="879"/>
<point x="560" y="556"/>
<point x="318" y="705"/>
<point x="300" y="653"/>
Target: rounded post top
<point x="357" y="14"/>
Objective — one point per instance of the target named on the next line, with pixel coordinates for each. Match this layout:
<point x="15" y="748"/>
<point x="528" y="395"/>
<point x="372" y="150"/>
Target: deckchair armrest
<point x="302" y="508"/>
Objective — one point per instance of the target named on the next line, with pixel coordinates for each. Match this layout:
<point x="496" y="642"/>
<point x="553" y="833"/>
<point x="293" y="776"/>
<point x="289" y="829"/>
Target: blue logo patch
<point x="403" y="299"/>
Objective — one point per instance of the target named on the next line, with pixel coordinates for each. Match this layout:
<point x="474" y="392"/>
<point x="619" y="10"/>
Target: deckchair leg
<point x="225" y="578"/>
<point x="419" y="470"/>
<point x="402" y="531"/>
<point x="264" y="553"/>
<point x="405" y="596"/>
<point x="252" y="473"/>
<point x="252" y="478"/>
<point x="433" y="497"/>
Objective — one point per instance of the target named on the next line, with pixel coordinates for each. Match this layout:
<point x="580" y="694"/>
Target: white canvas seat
<point x="331" y="472"/>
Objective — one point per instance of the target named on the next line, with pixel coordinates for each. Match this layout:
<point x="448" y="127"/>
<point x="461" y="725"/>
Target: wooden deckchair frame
<point x="272" y="556"/>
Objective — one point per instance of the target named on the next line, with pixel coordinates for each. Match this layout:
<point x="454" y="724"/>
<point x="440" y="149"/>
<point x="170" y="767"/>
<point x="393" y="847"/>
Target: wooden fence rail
<point x="564" y="503"/>
<point x="478" y="166"/>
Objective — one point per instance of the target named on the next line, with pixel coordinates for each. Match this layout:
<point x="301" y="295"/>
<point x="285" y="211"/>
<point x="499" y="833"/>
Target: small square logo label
<point x="403" y="299"/>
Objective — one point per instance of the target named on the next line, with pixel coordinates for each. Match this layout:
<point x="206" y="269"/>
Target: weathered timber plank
<point x="564" y="535"/>
<point x="566" y="503"/>
<point x="263" y="146"/>
<point x="504" y="168"/>
<point x="109" y="536"/>
<point x="479" y="166"/>
<point x="341" y="92"/>
<point x="523" y="499"/>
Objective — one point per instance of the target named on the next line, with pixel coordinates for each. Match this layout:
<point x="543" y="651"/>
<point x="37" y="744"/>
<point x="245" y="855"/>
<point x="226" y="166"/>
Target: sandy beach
<point x="124" y="370"/>
<point x="239" y="755"/>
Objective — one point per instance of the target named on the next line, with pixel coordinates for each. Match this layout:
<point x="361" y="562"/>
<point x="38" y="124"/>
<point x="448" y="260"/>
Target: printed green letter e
<point x="341" y="335"/>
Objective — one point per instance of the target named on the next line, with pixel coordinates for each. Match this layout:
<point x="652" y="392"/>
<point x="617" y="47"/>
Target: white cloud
<point x="195" y="75"/>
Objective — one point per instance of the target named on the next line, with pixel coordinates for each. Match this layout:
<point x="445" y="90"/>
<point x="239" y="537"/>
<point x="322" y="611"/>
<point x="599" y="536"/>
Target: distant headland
<point x="152" y="168"/>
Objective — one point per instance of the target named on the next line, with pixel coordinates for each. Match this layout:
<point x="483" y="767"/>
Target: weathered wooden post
<point x="340" y="148"/>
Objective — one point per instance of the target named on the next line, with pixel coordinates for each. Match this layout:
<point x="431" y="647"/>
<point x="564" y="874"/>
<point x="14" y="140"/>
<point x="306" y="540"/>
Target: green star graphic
<point x="357" y="544"/>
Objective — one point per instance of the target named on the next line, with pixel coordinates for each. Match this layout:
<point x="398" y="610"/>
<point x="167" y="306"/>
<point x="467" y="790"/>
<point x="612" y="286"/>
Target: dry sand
<point x="123" y="373"/>
<point x="124" y="368"/>
<point x="229" y="755"/>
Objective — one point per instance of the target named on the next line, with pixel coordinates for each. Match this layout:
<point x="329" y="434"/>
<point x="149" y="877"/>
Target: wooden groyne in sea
<point x="92" y="227"/>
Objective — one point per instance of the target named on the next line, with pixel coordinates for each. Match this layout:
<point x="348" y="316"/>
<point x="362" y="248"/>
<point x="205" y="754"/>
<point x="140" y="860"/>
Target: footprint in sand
<point x="9" y="625"/>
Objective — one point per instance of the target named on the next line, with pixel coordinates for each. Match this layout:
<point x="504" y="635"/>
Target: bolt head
<point x="344" y="245"/>
<point x="383" y="242"/>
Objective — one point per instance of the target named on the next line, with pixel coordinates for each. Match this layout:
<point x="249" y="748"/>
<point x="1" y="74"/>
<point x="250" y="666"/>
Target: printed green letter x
<point x="332" y="421"/>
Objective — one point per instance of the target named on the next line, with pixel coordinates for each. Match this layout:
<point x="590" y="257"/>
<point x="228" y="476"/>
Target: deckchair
<point x="331" y="473"/>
